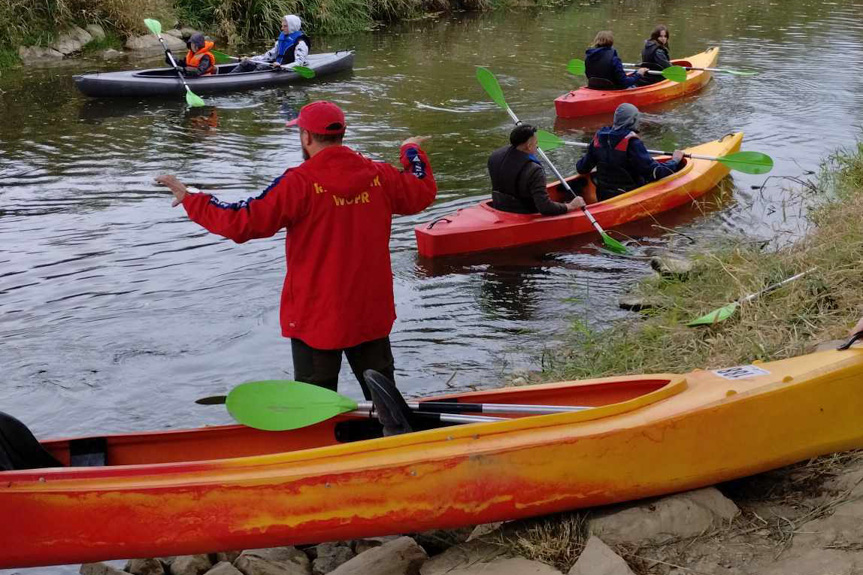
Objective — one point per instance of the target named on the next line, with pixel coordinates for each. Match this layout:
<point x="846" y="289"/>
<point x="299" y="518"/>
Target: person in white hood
<point x="291" y="49"/>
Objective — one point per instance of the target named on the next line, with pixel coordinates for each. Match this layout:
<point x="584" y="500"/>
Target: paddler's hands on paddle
<point x="177" y="188"/>
<point x="575" y="204"/>
<point x="677" y="155"/>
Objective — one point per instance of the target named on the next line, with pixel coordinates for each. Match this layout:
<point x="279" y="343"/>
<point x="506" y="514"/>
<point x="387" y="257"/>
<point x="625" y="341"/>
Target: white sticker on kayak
<point x="740" y="372"/>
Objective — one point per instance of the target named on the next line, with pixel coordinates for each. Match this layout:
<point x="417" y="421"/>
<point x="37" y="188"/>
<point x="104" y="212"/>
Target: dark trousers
<point x="321" y="366"/>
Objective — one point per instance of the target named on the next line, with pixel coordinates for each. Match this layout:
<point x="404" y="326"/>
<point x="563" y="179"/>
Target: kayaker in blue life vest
<point x="291" y="49"/>
<point x="654" y="55"/>
<point x="603" y="67"/>
<point x="518" y="180"/>
<point x="620" y="158"/>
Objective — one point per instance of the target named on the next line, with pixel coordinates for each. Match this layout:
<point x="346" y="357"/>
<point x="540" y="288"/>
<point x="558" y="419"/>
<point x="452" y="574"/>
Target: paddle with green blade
<point x="723" y="313"/>
<point x="303" y="71"/>
<point x="192" y="99"/>
<point x="747" y="162"/>
<point x="576" y="67"/>
<point x="490" y="84"/>
<point x="278" y="405"/>
<point x="723" y="70"/>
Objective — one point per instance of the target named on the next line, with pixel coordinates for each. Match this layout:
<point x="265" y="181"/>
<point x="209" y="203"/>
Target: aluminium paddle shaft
<point x="454" y="407"/>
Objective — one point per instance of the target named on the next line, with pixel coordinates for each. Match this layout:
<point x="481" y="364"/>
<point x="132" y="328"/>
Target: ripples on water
<point x="116" y="312"/>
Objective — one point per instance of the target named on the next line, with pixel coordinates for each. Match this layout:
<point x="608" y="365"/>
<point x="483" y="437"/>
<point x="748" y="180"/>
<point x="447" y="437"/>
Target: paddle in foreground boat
<point x="222" y="58"/>
<point x="192" y="99"/>
<point x="279" y="405"/>
<point x="747" y="162"/>
<point x="490" y="84"/>
<point x="576" y="67"/>
<point x="723" y="313"/>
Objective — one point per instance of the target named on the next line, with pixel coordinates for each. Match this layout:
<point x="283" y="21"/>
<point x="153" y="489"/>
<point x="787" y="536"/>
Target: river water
<point x="116" y="312"/>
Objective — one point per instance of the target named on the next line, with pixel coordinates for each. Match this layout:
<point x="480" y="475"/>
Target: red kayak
<point x="587" y="102"/>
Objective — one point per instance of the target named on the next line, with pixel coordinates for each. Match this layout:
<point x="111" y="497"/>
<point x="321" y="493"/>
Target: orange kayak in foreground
<point x="481" y="227"/>
<point x="226" y="488"/>
<point x="587" y="102"/>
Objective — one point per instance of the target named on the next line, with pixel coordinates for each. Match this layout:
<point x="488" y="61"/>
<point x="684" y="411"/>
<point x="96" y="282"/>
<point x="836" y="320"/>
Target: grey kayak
<point x="164" y="81"/>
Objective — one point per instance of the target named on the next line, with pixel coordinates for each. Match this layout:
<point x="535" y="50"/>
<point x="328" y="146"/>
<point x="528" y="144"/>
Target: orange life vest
<point x="194" y="58"/>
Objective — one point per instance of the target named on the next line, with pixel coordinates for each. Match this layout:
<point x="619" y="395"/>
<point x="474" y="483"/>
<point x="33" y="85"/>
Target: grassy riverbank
<point x="821" y="306"/>
<point x="27" y="23"/>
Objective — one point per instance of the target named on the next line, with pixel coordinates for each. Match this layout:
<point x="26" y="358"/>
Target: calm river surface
<point x="116" y="312"/>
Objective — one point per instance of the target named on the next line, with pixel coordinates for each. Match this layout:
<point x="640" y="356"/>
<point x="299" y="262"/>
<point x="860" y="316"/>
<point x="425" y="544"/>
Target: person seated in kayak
<point x="620" y="158"/>
<point x="603" y="67"/>
<point x="199" y="59"/>
<point x="518" y="180"/>
<point x="291" y="49"/>
<point x="654" y="55"/>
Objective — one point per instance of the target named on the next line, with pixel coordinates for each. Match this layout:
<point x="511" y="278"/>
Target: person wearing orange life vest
<point x="337" y="208"/>
<point x="199" y="59"/>
<point x="620" y="158"/>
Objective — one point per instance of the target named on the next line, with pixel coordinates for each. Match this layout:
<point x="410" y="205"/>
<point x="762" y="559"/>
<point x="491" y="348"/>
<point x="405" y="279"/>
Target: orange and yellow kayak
<point x="481" y="227"/>
<point x="587" y="102"/>
<point x="224" y="488"/>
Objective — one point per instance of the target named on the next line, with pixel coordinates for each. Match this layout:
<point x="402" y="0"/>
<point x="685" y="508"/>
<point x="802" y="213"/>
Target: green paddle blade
<point x="675" y="74"/>
<point x="748" y="162"/>
<point x="490" y="84"/>
<point x="154" y="25"/>
<point x="548" y="141"/>
<point x="304" y="72"/>
<point x="716" y="316"/>
<point x="222" y="58"/>
<point x="612" y="244"/>
<point x="575" y="67"/>
<point x="193" y="100"/>
<point x="277" y="405"/>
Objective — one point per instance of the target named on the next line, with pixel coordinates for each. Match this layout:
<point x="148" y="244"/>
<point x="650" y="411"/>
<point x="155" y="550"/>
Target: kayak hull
<point x="481" y="228"/>
<point x="587" y="102"/>
<point x="164" y="81"/>
<point x="646" y="436"/>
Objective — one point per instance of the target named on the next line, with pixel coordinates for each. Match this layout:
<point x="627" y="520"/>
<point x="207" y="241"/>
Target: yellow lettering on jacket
<point x="376" y="183"/>
<point x="362" y="198"/>
<point x="319" y="189"/>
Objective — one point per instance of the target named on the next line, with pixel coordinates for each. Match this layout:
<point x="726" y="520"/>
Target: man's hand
<point x="575" y="204"/>
<point x="641" y="71"/>
<point x="857" y="328"/>
<point x="417" y="140"/>
<point x="177" y="187"/>
<point x="677" y="155"/>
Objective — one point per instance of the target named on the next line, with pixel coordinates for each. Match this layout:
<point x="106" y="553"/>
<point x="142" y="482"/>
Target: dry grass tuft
<point x="556" y="540"/>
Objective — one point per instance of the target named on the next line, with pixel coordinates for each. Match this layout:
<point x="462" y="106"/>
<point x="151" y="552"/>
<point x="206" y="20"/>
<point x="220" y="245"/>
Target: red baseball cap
<point x="320" y="118"/>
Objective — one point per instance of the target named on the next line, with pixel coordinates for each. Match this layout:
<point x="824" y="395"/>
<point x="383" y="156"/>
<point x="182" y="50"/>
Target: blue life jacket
<point x="287" y="45"/>
<point x="599" y="68"/>
<point x="613" y="176"/>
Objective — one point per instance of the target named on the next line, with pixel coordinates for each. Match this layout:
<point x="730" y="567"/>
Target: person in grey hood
<point x="620" y="158"/>
<point x="655" y="55"/>
<point x="291" y="49"/>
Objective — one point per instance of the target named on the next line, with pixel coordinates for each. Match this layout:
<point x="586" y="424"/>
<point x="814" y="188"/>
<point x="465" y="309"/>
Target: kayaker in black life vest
<point x="620" y="158"/>
<point x="654" y="55"/>
<point x="603" y="67"/>
<point x="199" y="60"/>
<point x="518" y="180"/>
<point x="291" y="48"/>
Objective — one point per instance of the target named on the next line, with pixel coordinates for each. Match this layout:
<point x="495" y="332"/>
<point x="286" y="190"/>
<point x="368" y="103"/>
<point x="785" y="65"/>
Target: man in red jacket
<point x="337" y="208"/>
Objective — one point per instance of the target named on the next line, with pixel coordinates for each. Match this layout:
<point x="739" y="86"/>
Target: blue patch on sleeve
<point x="244" y="204"/>
<point x="418" y="167"/>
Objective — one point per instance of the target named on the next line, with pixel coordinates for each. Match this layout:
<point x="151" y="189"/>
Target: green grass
<point x="821" y="306"/>
<point x="110" y="41"/>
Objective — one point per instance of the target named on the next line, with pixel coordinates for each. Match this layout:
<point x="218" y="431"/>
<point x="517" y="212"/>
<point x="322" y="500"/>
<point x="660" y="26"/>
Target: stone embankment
<point x="72" y="42"/>
<point x="800" y="520"/>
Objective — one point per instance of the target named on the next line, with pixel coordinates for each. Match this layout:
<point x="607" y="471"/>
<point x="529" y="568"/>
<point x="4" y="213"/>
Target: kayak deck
<point x="164" y="81"/>
<point x="648" y="435"/>
<point x="481" y="227"/>
<point x="588" y="102"/>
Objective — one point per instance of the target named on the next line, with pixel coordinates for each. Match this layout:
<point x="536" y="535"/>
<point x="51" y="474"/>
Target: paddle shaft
<point x="560" y="177"/>
<point x="442" y="417"/>
<point x="774" y="287"/>
<point x="173" y="62"/>
<point x="652" y="72"/>
<point x="652" y="152"/>
<point x="628" y="65"/>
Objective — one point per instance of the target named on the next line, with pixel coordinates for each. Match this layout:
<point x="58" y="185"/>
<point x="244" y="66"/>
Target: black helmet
<point x="196" y="39"/>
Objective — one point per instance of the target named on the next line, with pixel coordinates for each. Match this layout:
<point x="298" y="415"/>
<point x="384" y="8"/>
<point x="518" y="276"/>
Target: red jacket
<point x="337" y="208"/>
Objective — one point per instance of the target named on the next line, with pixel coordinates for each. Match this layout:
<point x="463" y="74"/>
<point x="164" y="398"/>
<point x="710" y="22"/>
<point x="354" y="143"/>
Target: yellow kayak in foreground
<point x="223" y="488"/>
